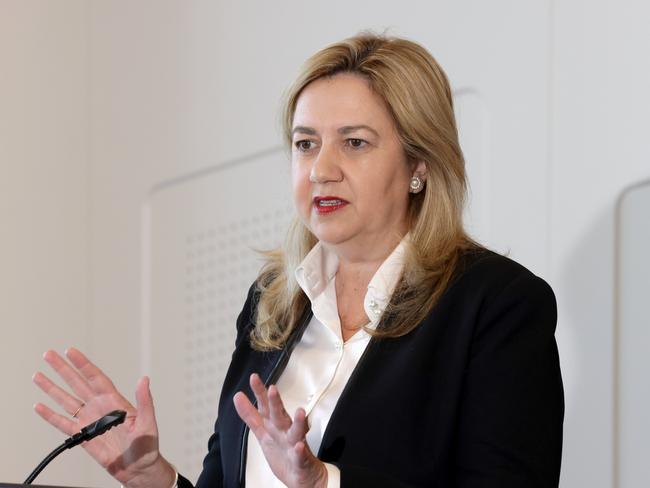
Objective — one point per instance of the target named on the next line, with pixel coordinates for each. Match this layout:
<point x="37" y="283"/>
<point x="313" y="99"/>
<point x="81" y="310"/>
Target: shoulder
<point x="485" y="270"/>
<point x="484" y="263"/>
<point x="490" y="280"/>
<point x="496" y="287"/>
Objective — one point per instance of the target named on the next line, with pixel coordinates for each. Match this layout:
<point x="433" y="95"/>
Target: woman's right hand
<point x="129" y="452"/>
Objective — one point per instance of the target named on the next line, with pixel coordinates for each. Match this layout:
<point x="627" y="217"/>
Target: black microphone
<point x="90" y="431"/>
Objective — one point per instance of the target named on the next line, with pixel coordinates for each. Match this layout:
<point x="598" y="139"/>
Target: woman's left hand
<point x="281" y="438"/>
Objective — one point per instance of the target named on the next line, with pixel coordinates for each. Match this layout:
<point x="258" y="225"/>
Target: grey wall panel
<point x="632" y="421"/>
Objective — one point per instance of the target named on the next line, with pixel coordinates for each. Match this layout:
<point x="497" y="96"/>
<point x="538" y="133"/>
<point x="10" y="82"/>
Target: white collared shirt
<point x="321" y="363"/>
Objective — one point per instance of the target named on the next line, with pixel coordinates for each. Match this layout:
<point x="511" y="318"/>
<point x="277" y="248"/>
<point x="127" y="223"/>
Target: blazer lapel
<point x="270" y="370"/>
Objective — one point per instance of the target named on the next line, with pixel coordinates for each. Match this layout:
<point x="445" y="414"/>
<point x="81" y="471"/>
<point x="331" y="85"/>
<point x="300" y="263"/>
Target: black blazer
<point x="470" y="398"/>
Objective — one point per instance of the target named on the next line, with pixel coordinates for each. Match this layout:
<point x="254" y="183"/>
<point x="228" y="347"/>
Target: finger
<point x="146" y="416"/>
<point x="249" y="414"/>
<point x="279" y="416"/>
<point x="304" y="459"/>
<point x="300" y="452"/>
<point x="69" y="403"/>
<point x="79" y="386"/>
<point x="69" y="428"/>
<point x="62" y="423"/>
<point x="98" y="381"/>
<point x="259" y="390"/>
<point x="299" y="427"/>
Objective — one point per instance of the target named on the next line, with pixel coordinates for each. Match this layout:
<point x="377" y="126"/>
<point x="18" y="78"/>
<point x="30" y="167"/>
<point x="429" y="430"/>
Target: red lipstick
<point x="328" y="204"/>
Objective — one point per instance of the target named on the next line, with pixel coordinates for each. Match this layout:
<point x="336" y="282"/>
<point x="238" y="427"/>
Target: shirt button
<point x="310" y="397"/>
<point x="338" y="346"/>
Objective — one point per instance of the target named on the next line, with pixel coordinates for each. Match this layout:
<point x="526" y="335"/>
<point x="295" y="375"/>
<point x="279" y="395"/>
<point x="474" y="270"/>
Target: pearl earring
<point x="416" y="184"/>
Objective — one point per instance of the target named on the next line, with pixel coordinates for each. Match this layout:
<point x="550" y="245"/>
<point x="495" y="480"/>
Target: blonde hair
<point x="417" y="94"/>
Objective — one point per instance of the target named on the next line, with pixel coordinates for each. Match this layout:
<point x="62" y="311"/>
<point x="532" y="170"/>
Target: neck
<point x="356" y="268"/>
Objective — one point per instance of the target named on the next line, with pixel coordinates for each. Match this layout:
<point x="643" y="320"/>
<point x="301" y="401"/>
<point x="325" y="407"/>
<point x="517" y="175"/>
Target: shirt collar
<point x="320" y="265"/>
<point x="316" y="270"/>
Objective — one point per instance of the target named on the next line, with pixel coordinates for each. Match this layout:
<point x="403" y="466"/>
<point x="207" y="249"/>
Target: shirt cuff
<point x="333" y="476"/>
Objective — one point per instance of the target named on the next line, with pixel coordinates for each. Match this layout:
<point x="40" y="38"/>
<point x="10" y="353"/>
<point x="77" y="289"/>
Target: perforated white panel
<point x="199" y="234"/>
<point x="219" y="266"/>
<point x="633" y="332"/>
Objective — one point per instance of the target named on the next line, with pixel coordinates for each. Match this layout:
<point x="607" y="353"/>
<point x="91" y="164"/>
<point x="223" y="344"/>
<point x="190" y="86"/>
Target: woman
<point x="381" y="347"/>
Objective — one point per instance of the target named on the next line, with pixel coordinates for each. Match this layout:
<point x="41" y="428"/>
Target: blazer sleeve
<point x="512" y="407"/>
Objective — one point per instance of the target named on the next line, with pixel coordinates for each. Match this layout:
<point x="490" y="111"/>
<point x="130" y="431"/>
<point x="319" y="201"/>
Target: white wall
<point x="44" y="215"/>
<point x="599" y="145"/>
<point x="152" y="89"/>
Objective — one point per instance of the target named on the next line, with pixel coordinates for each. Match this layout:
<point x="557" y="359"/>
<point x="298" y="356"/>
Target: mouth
<point x="328" y="204"/>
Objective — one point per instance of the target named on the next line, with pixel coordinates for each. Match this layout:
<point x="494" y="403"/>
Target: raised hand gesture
<point x="128" y="452"/>
<point x="281" y="438"/>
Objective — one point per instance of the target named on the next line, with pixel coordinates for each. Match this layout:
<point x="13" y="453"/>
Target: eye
<point x="304" y="145"/>
<point x="356" y="143"/>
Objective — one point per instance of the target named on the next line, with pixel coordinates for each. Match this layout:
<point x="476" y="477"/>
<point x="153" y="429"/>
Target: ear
<point x="420" y="169"/>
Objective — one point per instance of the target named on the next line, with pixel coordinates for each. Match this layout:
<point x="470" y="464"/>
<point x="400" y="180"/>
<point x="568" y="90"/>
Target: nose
<point x="325" y="166"/>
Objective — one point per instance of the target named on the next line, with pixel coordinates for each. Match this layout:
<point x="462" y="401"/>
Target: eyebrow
<point x="342" y="130"/>
<point x="303" y="130"/>
<point x="351" y="128"/>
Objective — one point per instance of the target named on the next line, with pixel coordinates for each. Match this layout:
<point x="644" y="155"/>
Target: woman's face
<point x="350" y="174"/>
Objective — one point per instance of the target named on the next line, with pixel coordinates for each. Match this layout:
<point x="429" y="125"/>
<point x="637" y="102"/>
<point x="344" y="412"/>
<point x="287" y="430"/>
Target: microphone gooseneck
<point x="90" y="431"/>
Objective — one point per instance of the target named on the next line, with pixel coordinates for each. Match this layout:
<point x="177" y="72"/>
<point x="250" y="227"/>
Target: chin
<point x="331" y="234"/>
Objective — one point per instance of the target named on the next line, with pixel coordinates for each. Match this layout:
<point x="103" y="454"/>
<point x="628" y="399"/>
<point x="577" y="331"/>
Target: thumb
<point x="146" y="418"/>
